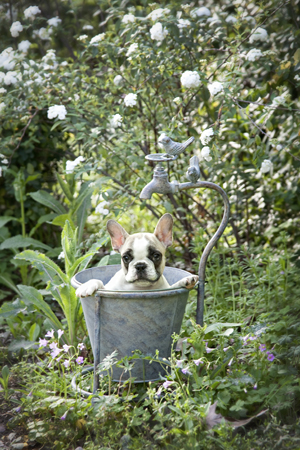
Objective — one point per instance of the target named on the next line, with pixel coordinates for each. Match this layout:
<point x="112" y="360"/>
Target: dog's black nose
<point x="140" y="267"/>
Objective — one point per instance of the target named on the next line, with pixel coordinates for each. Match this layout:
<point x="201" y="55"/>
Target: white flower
<point x="2" y="106"/>
<point x="279" y="147"/>
<point x="158" y="32"/>
<point x="16" y="28"/>
<point x="116" y="121"/>
<point x="206" y="136"/>
<point x="260" y="34"/>
<point x="83" y="37"/>
<point x="132" y="48"/>
<point x="118" y="80"/>
<point x="130" y="99"/>
<point x="23" y="46"/>
<point x="57" y="111"/>
<point x="230" y="19"/>
<point x="70" y="165"/>
<point x="98" y="38"/>
<point x="205" y="154"/>
<point x="266" y="166"/>
<point x="215" y="87"/>
<point x="10" y="78"/>
<point x="61" y="255"/>
<point x="128" y="18"/>
<point x="190" y="79"/>
<point x="95" y="130"/>
<point x="50" y="55"/>
<point x="183" y="23"/>
<point x="177" y="100"/>
<point x="157" y="13"/>
<point x="54" y="21"/>
<point x="253" y="54"/>
<point x="43" y="33"/>
<point x="88" y="27"/>
<point x="31" y="11"/>
<point x="203" y="11"/>
<point x="280" y="100"/>
<point x="100" y="208"/>
<point x="2" y="90"/>
<point x="297" y="77"/>
<point x="7" y="59"/>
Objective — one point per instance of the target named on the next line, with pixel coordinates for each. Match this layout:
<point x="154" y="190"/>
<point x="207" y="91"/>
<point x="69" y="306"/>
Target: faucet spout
<point x="159" y="184"/>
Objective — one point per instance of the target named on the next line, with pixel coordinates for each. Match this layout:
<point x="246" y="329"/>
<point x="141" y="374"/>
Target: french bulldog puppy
<point x="143" y="260"/>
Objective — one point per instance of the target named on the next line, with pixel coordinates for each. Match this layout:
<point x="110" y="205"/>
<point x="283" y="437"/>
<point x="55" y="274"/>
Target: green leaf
<point x="65" y="187"/>
<point x="216" y="326"/>
<point x="34" y="332"/>
<point x="16" y="346"/>
<point x="32" y="295"/>
<point x="79" y="261"/>
<point x="48" y="200"/>
<point x="7" y="281"/>
<point x="297" y="56"/>
<point x="5" y="373"/>
<point x="69" y="242"/>
<point x="43" y="264"/>
<point x="5" y="219"/>
<point x="61" y="221"/>
<point x="12" y="309"/>
<point x="20" y="241"/>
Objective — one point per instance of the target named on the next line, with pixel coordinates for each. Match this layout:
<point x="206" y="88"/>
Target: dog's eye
<point x="156" y="256"/>
<point x="126" y="258"/>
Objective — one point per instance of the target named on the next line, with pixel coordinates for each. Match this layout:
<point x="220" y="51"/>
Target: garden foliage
<point x="86" y="89"/>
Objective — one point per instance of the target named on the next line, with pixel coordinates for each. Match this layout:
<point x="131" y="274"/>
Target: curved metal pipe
<point x="211" y="243"/>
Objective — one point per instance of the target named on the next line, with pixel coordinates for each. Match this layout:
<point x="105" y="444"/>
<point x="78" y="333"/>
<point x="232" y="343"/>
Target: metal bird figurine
<point x="193" y="172"/>
<point x="173" y="148"/>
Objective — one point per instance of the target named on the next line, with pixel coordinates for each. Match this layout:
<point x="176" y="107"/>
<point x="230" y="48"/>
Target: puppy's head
<point x="143" y="254"/>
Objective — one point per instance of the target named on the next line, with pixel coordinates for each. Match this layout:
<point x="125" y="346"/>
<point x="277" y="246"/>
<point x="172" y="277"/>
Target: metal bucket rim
<point x="151" y="293"/>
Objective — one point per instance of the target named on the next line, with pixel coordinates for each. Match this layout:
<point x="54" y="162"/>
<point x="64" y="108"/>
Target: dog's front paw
<point x="89" y="288"/>
<point x="189" y="282"/>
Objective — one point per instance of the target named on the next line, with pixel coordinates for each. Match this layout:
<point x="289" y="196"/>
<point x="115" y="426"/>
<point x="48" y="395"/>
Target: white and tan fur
<point x="143" y="260"/>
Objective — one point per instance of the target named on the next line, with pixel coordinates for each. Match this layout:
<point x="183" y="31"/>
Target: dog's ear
<point x="163" y="230"/>
<point x="117" y="234"/>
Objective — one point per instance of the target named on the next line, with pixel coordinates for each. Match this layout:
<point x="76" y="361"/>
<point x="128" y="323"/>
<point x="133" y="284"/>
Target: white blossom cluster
<point x="158" y="13"/>
<point x="70" y="165"/>
<point x="116" y="121"/>
<point x="57" y="111"/>
<point x="23" y="46"/>
<point x="16" y="28"/>
<point x="43" y="33"/>
<point x="54" y="22"/>
<point x="128" y="18"/>
<point x="266" y="166"/>
<point x="206" y="136"/>
<point x="215" y="87"/>
<point x="205" y="153"/>
<point x="183" y="23"/>
<point x="118" y="80"/>
<point x="88" y="27"/>
<point x="253" y="54"/>
<point x="132" y="49"/>
<point x="190" y="79"/>
<point x="158" y="32"/>
<point x="260" y="34"/>
<point x="130" y="99"/>
<point x="98" y="38"/>
<point x="100" y="208"/>
<point x="199" y="12"/>
<point x="231" y="19"/>
<point x="31" y="12"/>
<point x="8" y="58"/>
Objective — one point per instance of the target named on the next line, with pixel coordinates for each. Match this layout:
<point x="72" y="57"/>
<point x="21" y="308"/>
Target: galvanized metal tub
<point x="134" y="320"/>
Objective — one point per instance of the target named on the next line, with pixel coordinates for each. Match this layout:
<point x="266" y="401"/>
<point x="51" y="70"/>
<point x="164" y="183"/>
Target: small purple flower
<point x="18" y="409"/>
<point x="271" y="357"/>
<point x="80" y="346"/>
<point x="208" y="350"/>
<point x="186" y="371"/>
<point x="66" y="363"/>
<point x="29" y="395"/>
<point x="198" y="361"/>
<point x="60" y="333"/>
<point x="55" y="352"/>
<point x="245" y="390"/>
<point x="158" y="393"/>
<point x="179" y="362"/>
<point x="53" y="345"/>
<point x="255" y="386"/>
<point x="50" y="334"/>
<point x="43" y="342"/>
<point x="252" y="338"/>
<point x="167" y="383"/>
<point x="66" y="348"/>
<point x="262" y="347"/>
<point x="230" y="362"/>
<point x="63" y="417"/>
<point x="79" y="360"/>
<point x="282" y="272"/>
<point x="225" y="349"/>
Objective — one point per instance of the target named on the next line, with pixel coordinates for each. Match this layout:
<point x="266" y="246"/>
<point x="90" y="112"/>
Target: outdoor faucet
<point x="159" y="184"/>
